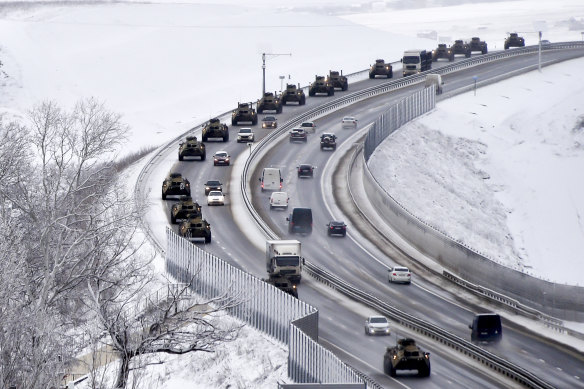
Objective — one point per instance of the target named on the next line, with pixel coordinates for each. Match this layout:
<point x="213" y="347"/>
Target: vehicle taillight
<point x="262" y="185"/>
<point x="280" y="185"/>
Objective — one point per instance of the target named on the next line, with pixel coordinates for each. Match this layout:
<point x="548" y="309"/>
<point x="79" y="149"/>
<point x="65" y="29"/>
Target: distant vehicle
<point x="546" y="42"/>
<point x="406" y="355"/>
<point x="338" y="80"/>
<point x="416" y="61"/>
<point x="514" y="40"/>
<point x="293" y="94"/>
<point x="279" y="200"/>
<point x="349" y="122"/>
<point x="269" y="102"/>
<point x="400" y="274"/>
<point x="321" y="85"/>
<point x="436" y="80"/>
<point x="195" y="227"/>
<point x="377" y="325"/>
<point x="269" y="122"/>
<point x="328" y="141"/>
<point x="308" y="127"/>
<point x="213" y="185"/>
<point x="459" y="47"/>
<point x="244" y="113"/>
<point x="284" y="259"/>
<point x="442" y="51"/>
<point x="305" y="170"/>
<point x="486" y="327"/>
<point x="298" y="135"/>
<point x="300" y="221"/>
<point x="271" y="179"/>
<point x="215" y="129"/>
<point x="336" y="227"/>
<point x="245" y="134"/>
<point x="476" y="44"/>
<point x="380" y="68"/>
<point x="221" y="158"/>
<point x="175" y="185"/>
<point x="215" y="197"/>
<point x="191" y="147"/>
<point x="184" y="209"/>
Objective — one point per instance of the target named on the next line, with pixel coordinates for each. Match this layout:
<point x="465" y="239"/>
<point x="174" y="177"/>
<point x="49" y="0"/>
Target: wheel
<point x="254" y="121"/>
<point x="390" y="75"/>
<point x="233" y="122"/>
<point x="391" y="370"/>
<point x="385" y="366"/>
<point x="208" y="239"/>
<point x="371" y="75"/>
<point x="506" y="47"/>
<point x="334" y="147"/>
<point x="203" y="156"/>
<point x="180" y="157"/>
<point x="260" y="109"/>
<point x="331" y="92"/>
<point x="451" y="58"/>
<point x="214" y="163"/>
<point x="346" y="87"/>
<point x="163" y="196"/>
<point x="303" y="100"/>
<point x="279" y="109"/>
<point x="205" y="138"/>
<point x="226" y="137"/>
<point x="467" y="55"/>
<point x="310" y="92"/>
<point x="366" y="332"/>
<point x="485" y="51"/>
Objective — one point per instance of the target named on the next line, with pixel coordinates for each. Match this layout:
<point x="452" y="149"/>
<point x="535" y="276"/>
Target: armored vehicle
<point x="380" y="68"/>
<point x="244" y="113"/>
<point x="270" y="101"/>
<point x="406" y="355"/>
<point x="293" y="93"/>
<point x="459" y="47"/>
<point x="514" y="40"/>
<point x="184" y="209"/>
<point x="442" y="51"/>
<point x="195" y="227"/>
<point x="175" y="184"/>
<point x="338" y="80"/>
<point x="215" y="129"/>
<point x="321" y="85"/>
<point x="476" y="44"/>
<point x="328" y="141"/>
<point x="191" y="147"/>
<point x="284" y="284"/>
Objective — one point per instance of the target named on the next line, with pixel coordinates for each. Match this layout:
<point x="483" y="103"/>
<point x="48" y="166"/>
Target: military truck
<point x="195" y="227"/>
<point x="191" y="147"/>
<point x="244" y="113"/>
<point x="175" y="184"/>
<point x="284" y="284"/>
<point x="338" y="80"/>
<point x="328" y="141"/>
<point x="270" y="101"/>
<point x="184" y="209"/>
<point x="459" y="47"/>
<point x="406" y="355"/>
<point x="442" y="51"/>
<point x="476" y="44"/>
<point x="321" y="85"/>
<point x="293" y="94"/>
<point x="215" y="129"/>
<point x="380" y="68"/>
<point x="514" y="40"/>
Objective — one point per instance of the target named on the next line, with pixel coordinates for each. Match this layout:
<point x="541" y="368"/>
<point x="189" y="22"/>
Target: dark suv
<point x="305" y="170"/>
<point x="300" y="221"/>
<point x="213" y="185"/>
<point x="486" y="327"/>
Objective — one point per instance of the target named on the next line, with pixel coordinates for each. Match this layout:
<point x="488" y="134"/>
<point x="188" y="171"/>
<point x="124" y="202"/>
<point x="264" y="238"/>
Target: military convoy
<point x="476" y="44"/>
<point x="184" y="209"/>
<point x="244" y="113"/>
<point x="175" y="185"/>
<point x="406" y="355"/>
<point x="380" y="68"/>
<point x="337" y="80"/>
<point x="459" y="47"/>
<point x="215" y="129"/>
<point x="191" y="147"/>
<point x="321" y="84"/>
<point x="195" y="227"/>
<point x="328" y="141"/>
<point x="270" y="101"/>
<point x="293" y="94"/>
<point x="514" y="40"/>
<point x="442" y="51"/>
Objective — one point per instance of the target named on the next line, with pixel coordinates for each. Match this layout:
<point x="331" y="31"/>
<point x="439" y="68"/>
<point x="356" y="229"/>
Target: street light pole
<point x="539" y="53"/>
<point x="264" y="68"/>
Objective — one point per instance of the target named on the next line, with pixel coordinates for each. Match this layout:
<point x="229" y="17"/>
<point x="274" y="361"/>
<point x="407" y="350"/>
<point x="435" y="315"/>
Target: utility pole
<point x="539" y="54"/>
<point x="264" y="68"/>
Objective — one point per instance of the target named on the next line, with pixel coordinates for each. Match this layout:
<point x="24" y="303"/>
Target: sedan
<point x="400" y="274"/>
<point x="213" y="185"/>
<point x="308" y="126"/>
<point x="215" y="197"/>
<point x="269" y="122"/>
<point x="337" y="227"/>
<point x="298" y="135"/>
<point x="245" y="135"/>
<point x="377" y="325"/>
<point x="349" y="122"/>
<point x="306" y="170"/>
<point x="221" y="158"/>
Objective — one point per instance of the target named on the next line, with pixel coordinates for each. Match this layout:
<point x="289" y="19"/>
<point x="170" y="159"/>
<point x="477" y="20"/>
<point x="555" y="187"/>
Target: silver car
<point x="400" y="274"/>
<point x="377" y="325"/>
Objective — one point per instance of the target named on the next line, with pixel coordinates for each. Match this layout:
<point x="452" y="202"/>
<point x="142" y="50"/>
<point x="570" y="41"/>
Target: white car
<point x="377" y="325"/>
<point x="400" y="274"/>
<point x="349" y="122"/>
<point x="308" y="127"/>
<point x="279" y="200"/>
<point x="215" y="197"/>
<point x="245" y="134"/>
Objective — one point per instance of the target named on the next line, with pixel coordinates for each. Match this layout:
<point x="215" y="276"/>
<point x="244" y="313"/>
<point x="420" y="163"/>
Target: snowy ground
<point x="168" y="66"/>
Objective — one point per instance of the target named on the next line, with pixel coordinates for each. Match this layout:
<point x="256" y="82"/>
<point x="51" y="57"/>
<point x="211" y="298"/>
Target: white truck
<point x="284" y="259"/>
<point x="416" y="61"/>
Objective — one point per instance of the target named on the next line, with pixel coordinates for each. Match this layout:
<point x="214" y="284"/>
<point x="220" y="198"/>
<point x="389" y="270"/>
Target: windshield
<point x="378" y="320"/>
<point x="288" y="261"/>
<point x="411" y="59"/>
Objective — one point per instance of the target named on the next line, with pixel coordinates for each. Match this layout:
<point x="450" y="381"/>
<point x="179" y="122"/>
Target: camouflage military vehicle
<point x="459" y="47"/>
<point x="321" y="85"/>
<point x="406" y="355"/>
<point x="293" y="93"/>
<point x="284" y="284"/>
<point x="215" y="129"/>
<point x="514" y="40"/>
<point x="270" y="101"/>
<point x="175" y="184"/>
<point x="338" y="80"/>
<point x="244" y="113"/>
<point x="184" y="209"/>
<point x="442" y="51"/>
<point x="328" y="141"/>
<point x="195" y="227"/>
<point x="476" y="44"/>
<point x="380" y="68"/>
<point x="191" y="147"/>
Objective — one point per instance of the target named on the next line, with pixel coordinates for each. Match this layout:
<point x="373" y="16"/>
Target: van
<point x="279" y="200"/>
<point x="486" y="327"/>
<point x="300" y="221"/>
<point x="271" y="179"/>
<point x="436" y="80"/>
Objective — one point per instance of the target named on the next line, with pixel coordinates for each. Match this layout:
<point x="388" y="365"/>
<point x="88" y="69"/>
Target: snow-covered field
<point x="168" y="66"/>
